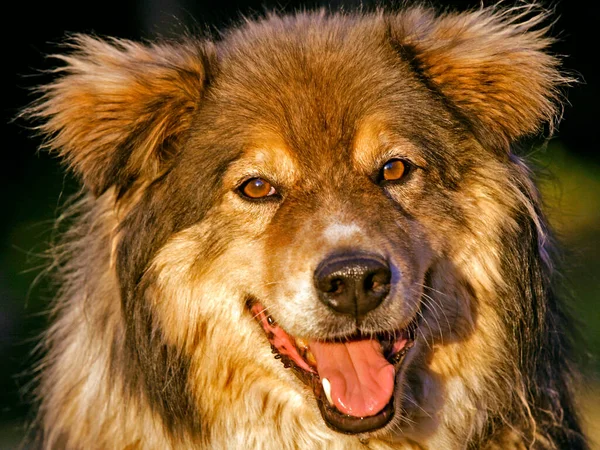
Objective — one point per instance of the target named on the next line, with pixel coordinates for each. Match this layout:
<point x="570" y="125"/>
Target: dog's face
<point x="314" y="188"/>
<point x="331" y="209"/>
<point x="324" y="246"/>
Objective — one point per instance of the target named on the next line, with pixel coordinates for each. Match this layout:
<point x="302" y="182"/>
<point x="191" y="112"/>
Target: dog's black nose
<point x="353" y="284"/>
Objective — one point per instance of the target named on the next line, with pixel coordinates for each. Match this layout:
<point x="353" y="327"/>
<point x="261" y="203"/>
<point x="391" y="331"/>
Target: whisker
<point x="428" y="326"/>
<point x="413" y="402"/>
<point x="427" y="304"/>
<point x="424" y="286"/>
<point x="436" y="306"/>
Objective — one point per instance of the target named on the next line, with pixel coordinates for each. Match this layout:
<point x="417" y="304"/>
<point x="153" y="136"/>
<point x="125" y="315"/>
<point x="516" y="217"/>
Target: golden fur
<point x="152" y="344"/>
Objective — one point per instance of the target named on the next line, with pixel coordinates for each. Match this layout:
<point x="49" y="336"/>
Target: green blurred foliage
<point x="572" y="196"/>
<point x="570" y="186"/>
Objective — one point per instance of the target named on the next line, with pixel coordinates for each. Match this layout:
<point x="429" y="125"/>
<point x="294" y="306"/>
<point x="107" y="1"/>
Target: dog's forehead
<point x="285" y="164"/>
<point x="370" y="144"/>
<point x="314" y="86"/>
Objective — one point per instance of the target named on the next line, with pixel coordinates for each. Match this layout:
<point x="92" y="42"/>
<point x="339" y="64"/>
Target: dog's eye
<point x="256" y="188"/>
<point x="393" y="170"/>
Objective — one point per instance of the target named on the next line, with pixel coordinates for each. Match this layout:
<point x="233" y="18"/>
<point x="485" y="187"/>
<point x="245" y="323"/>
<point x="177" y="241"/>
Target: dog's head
<point x="331" y="189"/>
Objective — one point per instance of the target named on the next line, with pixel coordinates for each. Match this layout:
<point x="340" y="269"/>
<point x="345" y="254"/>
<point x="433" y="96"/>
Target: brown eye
<point x="393" y="170"/>
<point x="257" y="188"/>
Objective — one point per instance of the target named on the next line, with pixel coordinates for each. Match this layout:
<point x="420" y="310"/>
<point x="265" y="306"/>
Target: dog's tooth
<point x="327" y="389"/>
<point x="301" y="343"/>
<point x="310" y="358"/>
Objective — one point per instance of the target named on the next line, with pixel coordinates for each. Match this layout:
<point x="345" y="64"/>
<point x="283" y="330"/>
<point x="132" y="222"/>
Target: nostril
<point x="336" y="286"/>
<point x="378" y="282"/>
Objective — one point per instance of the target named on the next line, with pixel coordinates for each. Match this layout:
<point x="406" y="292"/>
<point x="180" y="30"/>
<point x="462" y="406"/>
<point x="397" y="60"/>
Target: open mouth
<point x="353" y="379"/>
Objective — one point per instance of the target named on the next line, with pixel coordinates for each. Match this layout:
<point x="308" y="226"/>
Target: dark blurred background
<point x="34" y="186"/>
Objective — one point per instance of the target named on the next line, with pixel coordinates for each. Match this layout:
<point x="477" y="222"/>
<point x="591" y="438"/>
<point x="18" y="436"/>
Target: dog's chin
<point x="375" y="362"/>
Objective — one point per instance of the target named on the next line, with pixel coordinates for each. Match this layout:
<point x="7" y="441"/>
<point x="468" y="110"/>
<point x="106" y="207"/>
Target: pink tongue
<point x="362" y="381"/>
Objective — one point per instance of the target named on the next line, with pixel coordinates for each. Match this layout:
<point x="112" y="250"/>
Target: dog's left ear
<point x="491" y="64"/>
<point x="118" y="110"/>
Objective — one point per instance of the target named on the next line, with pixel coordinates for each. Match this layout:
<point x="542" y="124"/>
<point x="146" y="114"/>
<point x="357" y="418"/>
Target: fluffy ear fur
<point x="489" y="64"/>
<point x="119" y="109"/>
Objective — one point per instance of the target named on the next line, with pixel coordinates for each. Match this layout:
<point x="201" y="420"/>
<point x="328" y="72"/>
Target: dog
<point x="313" y="232"/>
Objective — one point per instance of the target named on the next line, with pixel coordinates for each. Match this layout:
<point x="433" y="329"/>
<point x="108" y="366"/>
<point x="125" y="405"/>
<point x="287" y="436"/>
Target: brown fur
<point x="153" y="345"/>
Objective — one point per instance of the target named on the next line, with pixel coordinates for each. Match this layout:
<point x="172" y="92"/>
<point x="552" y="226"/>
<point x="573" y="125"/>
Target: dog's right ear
<point x="118" y="109"/>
